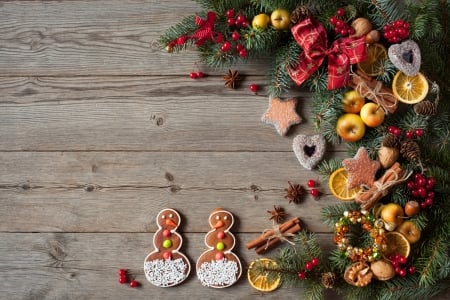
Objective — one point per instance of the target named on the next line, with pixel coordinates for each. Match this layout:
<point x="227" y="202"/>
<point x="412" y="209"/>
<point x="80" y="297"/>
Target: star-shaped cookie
<point x="361" y="169"/>
<point x="281" y="114"/>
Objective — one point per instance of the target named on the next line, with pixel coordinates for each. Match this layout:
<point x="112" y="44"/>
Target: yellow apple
<point x="352" y="102"/>
<point x="409" y="230"/>
<point x="261" y="22"/>
<point x="372" y="114"/>
<point x="280" y="19"/>
<point x="350" y="127"/>
<point x="392" y="215"/>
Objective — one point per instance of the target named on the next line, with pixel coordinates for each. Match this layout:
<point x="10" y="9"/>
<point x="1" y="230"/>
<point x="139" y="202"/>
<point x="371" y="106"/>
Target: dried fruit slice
<point x="373" y="65"/>
<point x="338" y="185"/>
<point x="260" y="281"/>
<point x="409" y="89"/>
<point x="396" y="243"/>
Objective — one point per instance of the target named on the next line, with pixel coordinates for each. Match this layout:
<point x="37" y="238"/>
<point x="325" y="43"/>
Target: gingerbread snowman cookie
<point x="219" y="267"/>
<point x="166" y="266"/>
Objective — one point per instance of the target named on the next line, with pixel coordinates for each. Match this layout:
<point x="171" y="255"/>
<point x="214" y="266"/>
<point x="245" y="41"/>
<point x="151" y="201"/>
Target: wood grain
<point x="139" y="113"/>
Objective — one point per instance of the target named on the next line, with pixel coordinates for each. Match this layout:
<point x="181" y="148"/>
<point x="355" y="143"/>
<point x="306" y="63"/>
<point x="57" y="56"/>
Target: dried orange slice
<point x="409" y="89"/>
<point x="338" y="185"/>
<point x="260" y="281"/>
<point x="373" y="65"/>
<point x="396" y="243"/>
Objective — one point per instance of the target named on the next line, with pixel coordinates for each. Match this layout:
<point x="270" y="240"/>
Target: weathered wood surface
<point x="100" y="129"/>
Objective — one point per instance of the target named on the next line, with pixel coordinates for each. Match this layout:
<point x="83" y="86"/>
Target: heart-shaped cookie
<point x="309" y="149"/>
<point x="406" y="57"/>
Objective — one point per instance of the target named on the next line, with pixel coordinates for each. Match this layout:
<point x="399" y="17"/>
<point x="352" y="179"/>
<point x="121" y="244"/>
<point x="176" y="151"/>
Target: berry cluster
<point x="396" y="31"/>
<point x="340" y="26"/>
<point x="236" y="22"/>
<point x="123" y="278"/>
<point x="312" y="184"/>
<point x="401" y="265"/>
<point x="309" y="266"/>
<point x="422" y="188"/>
<point x="409" y="134"/>
<point x="197" y="75"/>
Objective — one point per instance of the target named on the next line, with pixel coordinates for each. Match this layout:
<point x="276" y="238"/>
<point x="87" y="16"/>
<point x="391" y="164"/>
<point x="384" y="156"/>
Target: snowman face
<point x="168" y="219"/>
<point x="221" y="220"/>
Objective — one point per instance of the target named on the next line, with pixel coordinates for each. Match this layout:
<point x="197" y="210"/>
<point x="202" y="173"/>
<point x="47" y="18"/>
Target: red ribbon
<point x="206" y="29"/>
<point x="312" y="37"/>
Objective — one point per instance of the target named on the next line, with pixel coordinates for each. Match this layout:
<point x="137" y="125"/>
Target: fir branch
<point x="331" y="214"/>
<point x="327" y="167"/>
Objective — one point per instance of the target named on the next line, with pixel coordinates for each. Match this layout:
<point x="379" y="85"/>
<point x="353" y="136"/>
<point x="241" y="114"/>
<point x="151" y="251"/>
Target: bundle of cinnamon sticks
<point x="272" y="237"/>
<point x="393" y="176"/>
<point x="374" y="90"/>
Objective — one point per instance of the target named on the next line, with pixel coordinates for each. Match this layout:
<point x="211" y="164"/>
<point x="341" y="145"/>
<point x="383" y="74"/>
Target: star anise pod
<point x="277" y="214"/>
<point x="294" y="193"/>
<point x="232" y="78"/>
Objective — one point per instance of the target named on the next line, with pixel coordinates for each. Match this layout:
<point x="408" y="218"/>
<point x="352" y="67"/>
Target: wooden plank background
<point x="100" y="129"/>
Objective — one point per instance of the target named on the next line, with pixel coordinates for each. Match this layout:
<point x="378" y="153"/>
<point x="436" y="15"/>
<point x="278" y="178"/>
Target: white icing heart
<point x="406" y="57"/>
<point x="309" y="149"/>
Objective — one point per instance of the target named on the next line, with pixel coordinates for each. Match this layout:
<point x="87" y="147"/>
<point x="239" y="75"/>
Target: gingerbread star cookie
<point x="361" y="169"/>
<point x="281" y="114"/>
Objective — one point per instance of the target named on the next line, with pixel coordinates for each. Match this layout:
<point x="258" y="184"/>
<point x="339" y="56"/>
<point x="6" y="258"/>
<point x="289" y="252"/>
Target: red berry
<point x="340" y="12"/>
<point x="421" y="182"/>
<point x="134" y="283"/>
<point x="402" y="260"/>
<point x="397" y="132"/>
<point x="235" y="36"/>
<point x="411" y="185"/>
<point x="431" y="182"/>
<point x="423" y="205"/>
<point x="193" y="75"/>
<point x="397" y="270"/>
<point x="333" y="20"/>
<point x="231" y="21"/>
<point x="244" y="24"/>
<point x="339" y="24"/>
<point x="309" y="266"/>
<point x="418" y="175"/>
<point x="315" y="261"/>
<point x="122" y="279"/>
<point x="240" y="19"/>
<point x="225" y="46"/>
<point x="411" y="269"/>
<point x="419" y="132"/>
<point x="429" y="201"/>
<point x="243" y="53"/>
<point x="311" y="183"/>
<point x="409" y="134"/>
<point x="395" y="263"/>
<point x="229" y="13"/>
<point x="402" y="273"/>
<point x="122" y="272"/>
<point x="239" y="47"/>
<point x="315" y="192"/>
<point x="301" y="275"/>
<point x="391" y="129"/>
<point x="253" y="87"/>
<point x="200" y="74"/>
<point x="422" y="192"/>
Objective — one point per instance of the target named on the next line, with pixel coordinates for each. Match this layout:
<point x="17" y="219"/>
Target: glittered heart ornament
<point x="309" y="149"/>
<point x="406" y="57"/>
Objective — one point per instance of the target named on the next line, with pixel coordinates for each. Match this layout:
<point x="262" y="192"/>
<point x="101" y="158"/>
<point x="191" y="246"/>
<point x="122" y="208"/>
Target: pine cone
<point x="391" y="141"/>
<point x="410" y="150"/>
<point x="425" y="108"/>
<point x="328" y="280"/>
<point x="299" y="14"/>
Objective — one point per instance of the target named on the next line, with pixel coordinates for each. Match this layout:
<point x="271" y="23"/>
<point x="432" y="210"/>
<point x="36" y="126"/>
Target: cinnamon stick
<point x="263" y="238"/>
<point x="267" y="245"/>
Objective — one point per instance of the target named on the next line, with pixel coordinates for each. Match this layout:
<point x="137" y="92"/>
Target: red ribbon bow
<point x="205" y="31"/>
<point x="312" y="37"/>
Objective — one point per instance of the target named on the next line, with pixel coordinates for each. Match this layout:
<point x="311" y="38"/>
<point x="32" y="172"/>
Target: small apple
<point x="261" y="22"/>
<point x="280" y="19"/>
<point x="352" y="102"/>
<point x="392" y="215"/>
<point x="412" y="208"/>
<point x="372" y="114"/>
<point x="350" y="127"/>
<point x="409" y="230"/>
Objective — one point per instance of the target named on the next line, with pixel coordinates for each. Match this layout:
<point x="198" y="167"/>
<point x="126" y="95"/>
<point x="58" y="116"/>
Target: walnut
<point x="387" y="156"/>
<point x="358" y="274"/>
<point x="382" y="270"/>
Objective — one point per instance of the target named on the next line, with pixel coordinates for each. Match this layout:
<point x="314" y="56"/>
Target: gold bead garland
<point x="369" y="224"/>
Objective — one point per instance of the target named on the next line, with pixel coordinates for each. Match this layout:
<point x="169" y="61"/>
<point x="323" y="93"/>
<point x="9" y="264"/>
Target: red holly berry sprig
<point x="396" y="31"/>
<point x="311" y="183"/>
<point x="401" y="265"/>
<point x="123" y="278"/>
<point x="309" y="266"/>
<point x="339" y="24"/>
<point x="422" y="189"/>
<point x="409" y="134"/>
